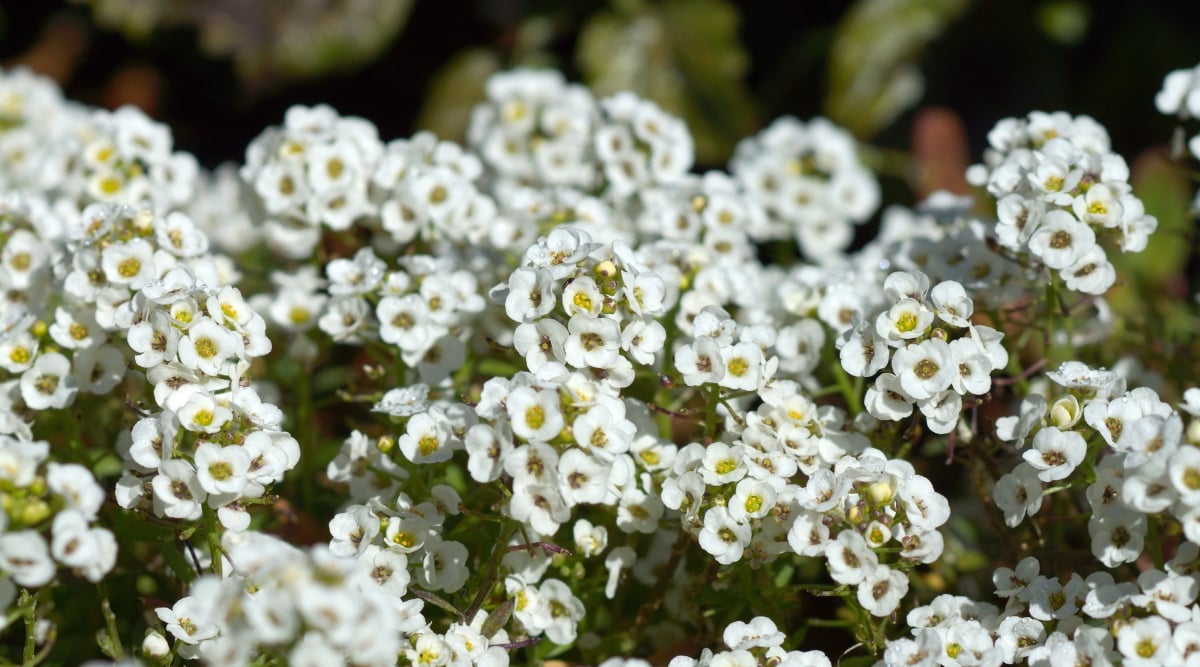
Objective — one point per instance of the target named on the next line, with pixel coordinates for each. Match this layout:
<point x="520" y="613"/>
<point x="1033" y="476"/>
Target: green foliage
<point x="684" y="55"/>
<point x="873" y="73"/>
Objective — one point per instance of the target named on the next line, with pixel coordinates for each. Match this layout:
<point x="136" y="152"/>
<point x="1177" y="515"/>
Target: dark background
<point x="992" y="61"/>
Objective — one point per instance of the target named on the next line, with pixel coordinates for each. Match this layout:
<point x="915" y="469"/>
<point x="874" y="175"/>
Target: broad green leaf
<point x="1164" y="189"/>
<point x="455" y="90"/>
<point x="684" y="55"/>
<point x="1147" y="280"/>
<point x="873" y="76"/>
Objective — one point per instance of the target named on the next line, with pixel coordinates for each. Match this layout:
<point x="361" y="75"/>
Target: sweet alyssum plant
<point x="552" y="394"/>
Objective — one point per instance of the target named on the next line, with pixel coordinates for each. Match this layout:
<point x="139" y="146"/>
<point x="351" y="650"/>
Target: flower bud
<point x="1065" y="412"/>
<point x="385" y="444"/>
<point x="154" y="646"/>
<point x="1193" y="432"/>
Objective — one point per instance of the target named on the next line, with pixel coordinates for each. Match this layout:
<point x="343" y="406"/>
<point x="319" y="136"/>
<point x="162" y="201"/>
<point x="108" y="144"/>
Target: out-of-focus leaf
<point x="455" y="90"/>
<point x="1167" y="195"/>
<point x="499" y="617"/>
<point x="872" y="66"/>
<point x="686" y="56"/>
<point x="1065" y="21"/>
<point x="269" y="40"/>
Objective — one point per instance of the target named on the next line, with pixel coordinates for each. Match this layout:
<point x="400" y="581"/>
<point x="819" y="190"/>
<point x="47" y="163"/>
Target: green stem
<point x="29" y="605"/>
<point x="211" y="527"/>
<point x="305" y="435"/>
<point x="493" y="565"/>
<point x="849" y="394"/>
<point x="712" y="396"/>
<point x="176" y="561"/>
<point x="110" y="623"/>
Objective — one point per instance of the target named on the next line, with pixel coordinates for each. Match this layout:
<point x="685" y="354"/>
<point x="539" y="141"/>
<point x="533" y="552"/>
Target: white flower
<point x="887" y="400"/>
<point x="1018" y="493"/>
<point x="881" y="590"/>
<point x="849" y="557"/>
<point x="700" y="362"/>
<point x="130" y="263"/>
<point x="426" y="439"/>
<point x="1061" y="240"/>
<point x="48" y="383"/>
<point x="1091" y="273"/>
<point x="592" y="342"/>
<point x="207" y="346"/>
<point x="1017" y="636"/>
<point x="590" y="540"/>
<point x="528" y="295"/>
<point x="924" y="369"/>
<point x="1144" y="642"/>
<point x="906" y="320"/>
<point x="723" y="536"/>
<point x="221" y="470"/>
<point x="744" y="367"/>
<point x="642" y="339"/>
<point x="1055" y="453"/>
<point x="925" y="508"/>
<point x="951" y="303"/>
<point x="540" y="506"/>
<point x="444" y="566"/>
<point x="540" y="342"/>
<point x="583" y="477"/>
<point x="1118" y="536"/>
<point x="202" y="413"/>
<point x="177" y="491"/>
<point x="76" y="485"/>
<point x="404" y="401"/>
<point x="25" y="557"/>
<point x="91" y="552"/>
<point x="192" y="619"/>
<point x="559" y="610"/>
<point x="535" y="415"/>
<point x="760" y="632"/>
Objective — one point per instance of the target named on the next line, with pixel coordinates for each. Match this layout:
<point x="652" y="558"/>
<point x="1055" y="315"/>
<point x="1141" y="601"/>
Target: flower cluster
<point x="1060" y="191"/>
<point x="1149" y="462"/>
<point x="810" y="181"/>
<point x="1180" y="98"/>
<point x="755" y="643"/>
<point x="536" y="129"/>
<point x="43" y="499"/>
<point x="311" y="606"/>
<point x="32" y="110"/>
<point x="313" y="172"/>
<point x="936" y="354"/>
<point x="1052" y="620"/>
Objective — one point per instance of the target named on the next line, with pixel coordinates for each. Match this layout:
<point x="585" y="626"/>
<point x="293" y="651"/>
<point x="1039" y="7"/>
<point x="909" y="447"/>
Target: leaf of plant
<point x="438" y="601"/>
<point x="684" y="55"/>
<point x="456" y="89"/>
<point x="873" y="75"/>
<point x="498" y="618"/>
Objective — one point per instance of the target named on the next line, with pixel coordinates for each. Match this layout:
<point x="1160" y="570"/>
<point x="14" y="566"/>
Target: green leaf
<point x="456" y="89"/>
<point x="1164" y="188"/>
<point x="498" y="618"/>
<point x="684" y="55"/>
<point x="873" y="76"/>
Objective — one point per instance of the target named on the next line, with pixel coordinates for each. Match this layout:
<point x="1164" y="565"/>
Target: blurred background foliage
<point x="219" y="71"/>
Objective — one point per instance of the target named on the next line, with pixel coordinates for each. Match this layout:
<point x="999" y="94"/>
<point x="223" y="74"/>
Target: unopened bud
<point x="154" y="646"/>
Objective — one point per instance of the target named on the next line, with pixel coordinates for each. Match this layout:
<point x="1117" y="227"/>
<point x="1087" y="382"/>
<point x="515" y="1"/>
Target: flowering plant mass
<point x="552" y="394"/>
